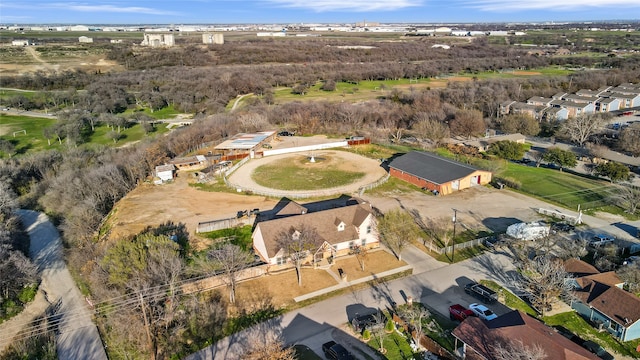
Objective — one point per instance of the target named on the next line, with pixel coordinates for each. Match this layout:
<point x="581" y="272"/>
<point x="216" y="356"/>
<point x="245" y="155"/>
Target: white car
<point x="482" y="311"/>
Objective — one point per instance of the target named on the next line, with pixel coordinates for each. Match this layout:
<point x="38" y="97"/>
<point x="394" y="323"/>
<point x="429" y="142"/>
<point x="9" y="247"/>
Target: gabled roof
<point x="482" y="336"/>
<point x="292" y="208"/>
<point x="324" y="222"/>
<point x="579" y="268"/>
<point x="430" y="167"/>
<point x="161" y="168"/>
<point x="617" y="304"/>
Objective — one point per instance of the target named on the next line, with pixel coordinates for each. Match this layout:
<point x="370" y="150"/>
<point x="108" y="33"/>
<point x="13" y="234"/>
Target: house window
<point x="351" y="244"/>
<point x="369" y="229"/>
<point x="364" y="242"/>
<point x="280" y="261"/>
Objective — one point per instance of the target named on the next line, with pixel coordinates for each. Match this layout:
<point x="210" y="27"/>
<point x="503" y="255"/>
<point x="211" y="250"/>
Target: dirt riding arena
<point x="346" y="161"/>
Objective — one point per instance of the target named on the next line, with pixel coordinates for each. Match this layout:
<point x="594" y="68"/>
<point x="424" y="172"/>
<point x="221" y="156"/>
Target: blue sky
<point x="310" y="11"/>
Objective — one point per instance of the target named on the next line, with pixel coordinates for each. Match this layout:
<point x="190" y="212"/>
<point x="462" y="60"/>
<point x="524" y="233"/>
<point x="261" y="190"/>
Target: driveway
<point x="77" y="336"/>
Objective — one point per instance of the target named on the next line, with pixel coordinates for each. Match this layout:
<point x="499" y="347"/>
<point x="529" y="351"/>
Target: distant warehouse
<point x="436" y="173"/>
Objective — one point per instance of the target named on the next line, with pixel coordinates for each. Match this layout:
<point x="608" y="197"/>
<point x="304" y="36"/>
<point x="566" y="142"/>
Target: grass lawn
<point x="287" y="175"/>
<point x="558" y="187"/>
<point x="510" y="299"/>
<point x="240" y="236"/>
<point x="34" y="139"/>
<point x="577" y="325"/>
<point x="396" y="346"/>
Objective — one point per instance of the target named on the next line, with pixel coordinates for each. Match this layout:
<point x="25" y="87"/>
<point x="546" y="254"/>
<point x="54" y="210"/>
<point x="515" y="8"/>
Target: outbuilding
<point x="436" y="173"/>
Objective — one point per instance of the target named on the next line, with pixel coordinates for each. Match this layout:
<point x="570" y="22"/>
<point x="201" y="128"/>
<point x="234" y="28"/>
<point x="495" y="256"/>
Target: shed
<point x="165" y="172"/>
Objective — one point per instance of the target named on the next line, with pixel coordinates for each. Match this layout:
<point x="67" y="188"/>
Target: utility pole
<point x="453" y="239"/>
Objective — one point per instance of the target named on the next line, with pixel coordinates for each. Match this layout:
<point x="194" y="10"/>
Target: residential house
<point x="482" y="144"/>
<point x="574" y="109"/>
<point x="626" y="100"/>
<point x="535" y="111"/>
<point x="432" y="172"/>
<point x="539" y="101"/>
<point x="339" y="230"/>
<point x="607" y="104"/>
<point x="600" y="299"/>
<point x="190" y="162"/>
<point x="505" y="107"/>
<point x="554" y="114"/>
<point x="477" y="339"/>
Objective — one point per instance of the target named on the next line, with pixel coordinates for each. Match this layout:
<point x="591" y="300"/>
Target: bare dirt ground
<point x="526" y="73"/>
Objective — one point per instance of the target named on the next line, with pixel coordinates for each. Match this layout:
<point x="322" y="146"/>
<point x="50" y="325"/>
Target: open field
<point x="34" y="139"/>
<point x="559" y="187"/>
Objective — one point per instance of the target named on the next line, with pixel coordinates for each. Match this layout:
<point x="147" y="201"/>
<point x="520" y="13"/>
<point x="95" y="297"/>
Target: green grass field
<point x="34" y="139"/>
<point x="286" y="175"/>
<point x="558" y="187"/>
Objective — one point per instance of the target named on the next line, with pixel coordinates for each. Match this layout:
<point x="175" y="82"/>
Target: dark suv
<point x="335" y="351"/>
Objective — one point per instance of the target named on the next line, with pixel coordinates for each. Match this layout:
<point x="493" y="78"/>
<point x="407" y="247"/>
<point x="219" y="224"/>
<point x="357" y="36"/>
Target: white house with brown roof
<point x="165" y="172"/>
<point x="340" y="229"/>
<point x="599" y="298"/>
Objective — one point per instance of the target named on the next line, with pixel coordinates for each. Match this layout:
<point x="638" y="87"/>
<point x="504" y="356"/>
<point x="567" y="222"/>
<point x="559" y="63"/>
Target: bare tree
<point x="627" y="197"/>
<point x="297" y="243"/>
<point x="361" y="253"/>
<point x="580" y="128"/>
<point x="544" y="280"/>
<point x="467" y="123"/>
<point x="606" y="257"/>
<point x="397" y="229"/>
<point x="230" y="259"/>
<point x="630" y="274"/>
<point x="266" y="344"/>
<point x="517" y="350"/>
<point x="630" y="140"/>
<point x="439" y="229"/>
<point x="416" y="315"/>
<point x="377" y="328"/>
<point x="430" y="129"/>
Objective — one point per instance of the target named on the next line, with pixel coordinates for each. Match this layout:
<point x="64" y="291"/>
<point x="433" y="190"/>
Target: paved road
<point x="607" y="154"/>
<point x="77" y="336"/>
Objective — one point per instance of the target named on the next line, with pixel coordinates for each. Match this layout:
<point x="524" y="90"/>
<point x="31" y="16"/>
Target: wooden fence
<point x="220" y="224"/>
<point x="443" y="250"/>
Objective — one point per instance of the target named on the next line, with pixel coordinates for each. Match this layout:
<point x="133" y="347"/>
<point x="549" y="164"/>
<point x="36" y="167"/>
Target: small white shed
<point x="165" y="172"/>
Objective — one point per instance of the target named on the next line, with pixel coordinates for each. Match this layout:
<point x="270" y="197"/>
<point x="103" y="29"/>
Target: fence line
<point x="377" y="183"/>
<point x="442" y="250"/>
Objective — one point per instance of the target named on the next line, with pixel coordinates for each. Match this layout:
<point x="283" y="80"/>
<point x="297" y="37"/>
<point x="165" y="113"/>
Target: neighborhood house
<point x="340" y="229"/>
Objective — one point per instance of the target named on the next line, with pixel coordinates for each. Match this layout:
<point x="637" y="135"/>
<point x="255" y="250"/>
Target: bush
<point x="28" y="293"/>
<point x="507" y="181"/>
<point x="366" y="335"/>
<point x="389" y="326"/>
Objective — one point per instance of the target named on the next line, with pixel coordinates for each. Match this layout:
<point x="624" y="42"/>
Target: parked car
<point x="482" y="311"/>
<point x="631" y="260"/>
<point x="598" y="350"/>
<point x="285" y="133"/>
<point x="335" y="351"/>
<point x="267" y="146"/>
<point x="459" y="312"/>
<point x="600" y="240"/>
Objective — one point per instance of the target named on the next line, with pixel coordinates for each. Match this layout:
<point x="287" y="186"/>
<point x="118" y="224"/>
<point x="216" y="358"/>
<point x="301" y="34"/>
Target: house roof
<point x="482" y="336"/>
<point x="430" y="167"/>
<point x="539" y="99"/>
<point x="324" y="222"/>
<point x="481" y="143"/>
<point x="617" y="304"/>
<point x="578" y="267"/>
<point x="161" y="168"/>
<point x="245" y="141"/>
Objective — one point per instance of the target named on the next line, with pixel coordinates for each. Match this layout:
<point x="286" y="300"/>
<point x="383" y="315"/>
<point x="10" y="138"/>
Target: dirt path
<point x="32" y="51"/>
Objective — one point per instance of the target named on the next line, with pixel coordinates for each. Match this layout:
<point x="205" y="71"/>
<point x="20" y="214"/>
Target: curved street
<point x="77" y="336"/>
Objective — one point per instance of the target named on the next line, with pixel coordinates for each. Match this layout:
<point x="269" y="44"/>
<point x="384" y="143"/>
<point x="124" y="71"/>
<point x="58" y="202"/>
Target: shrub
<point x="390" y="326"/>
<point x="507" y="181"/>
<point x="366" y="335"/>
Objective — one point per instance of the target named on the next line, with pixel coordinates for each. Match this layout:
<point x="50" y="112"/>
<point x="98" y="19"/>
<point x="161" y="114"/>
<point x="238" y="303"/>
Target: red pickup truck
<point x="459" y="312"/>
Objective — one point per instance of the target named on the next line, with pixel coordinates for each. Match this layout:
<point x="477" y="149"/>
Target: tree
<point x="467" y="123"/>
<point x="560" y="157"/>
<point x="580" y="128"/>
<point x="544" y="279"/>
<point x="430" y="129"/>
<point x="114" y="135"/>
<point x="439" y="229"/>
<point x="516" y="350"/>
<point x="630" y="274"/>
<point x="328" y="85"/>
<point x="616" y="172"/>
<point x="519" y="123"/>
<point x="230" y="259"/>
<point x="266" y="344"/>
<point x="506" y="149"/>
<point x="397" y="229"/>
<point x="297" y="243"/>
<point x="630" y="140"/>
<point x="627" y="197"/>
<point x="361" y="253"/>
<point x="416" y="315"/>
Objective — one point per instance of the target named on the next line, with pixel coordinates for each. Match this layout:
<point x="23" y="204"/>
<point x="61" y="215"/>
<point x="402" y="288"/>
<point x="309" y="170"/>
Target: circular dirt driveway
<point x="241" y="178"/>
